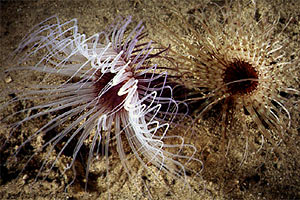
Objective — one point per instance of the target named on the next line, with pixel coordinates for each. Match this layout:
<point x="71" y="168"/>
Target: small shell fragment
<point x="8" y="79"/>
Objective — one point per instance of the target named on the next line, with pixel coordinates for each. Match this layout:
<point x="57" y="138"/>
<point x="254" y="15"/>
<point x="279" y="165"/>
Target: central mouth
<point x="240" y="77"/>
<point x="110" y="98"/>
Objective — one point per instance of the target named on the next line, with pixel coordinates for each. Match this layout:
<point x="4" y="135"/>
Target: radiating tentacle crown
<point x="241" y="63"/>
<point x="108" y="87"/>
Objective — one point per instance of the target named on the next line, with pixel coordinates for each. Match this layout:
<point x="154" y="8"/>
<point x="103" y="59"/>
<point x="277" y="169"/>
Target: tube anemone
<point x="109" y="88"/>
<point x="240" y="62"/>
